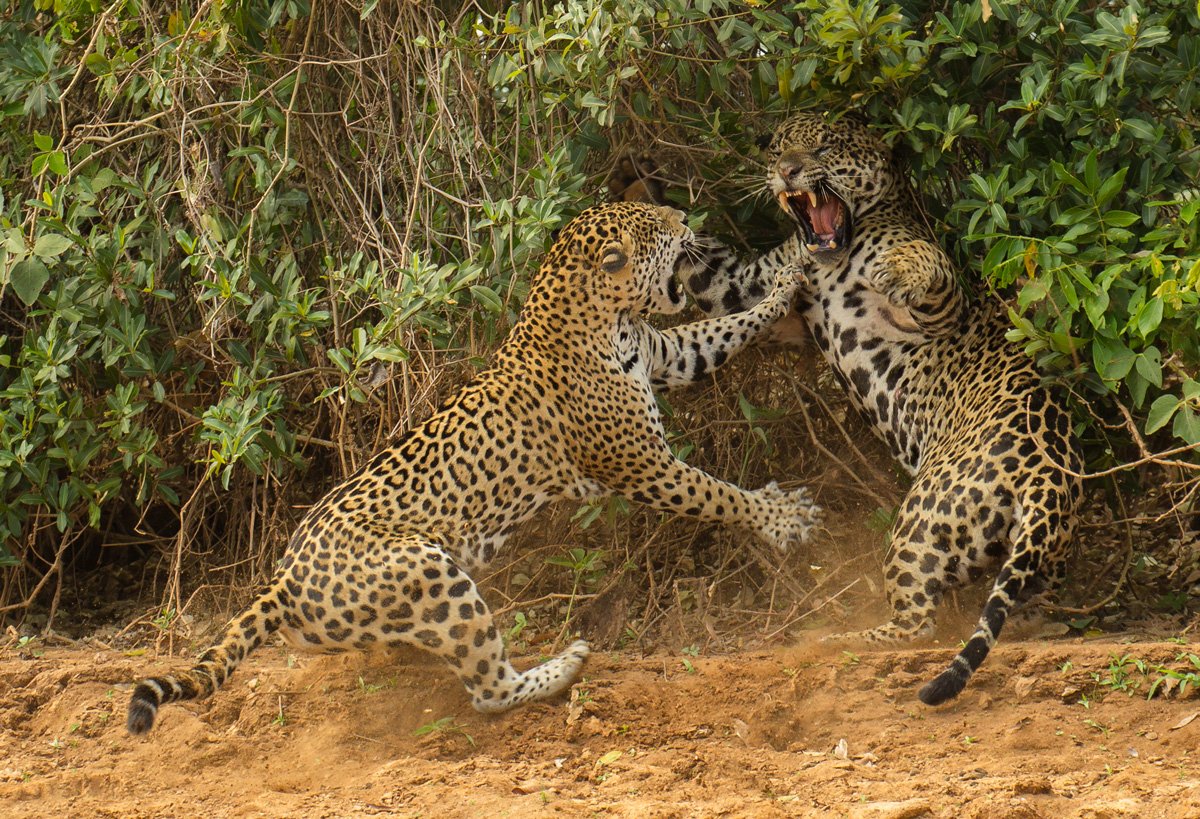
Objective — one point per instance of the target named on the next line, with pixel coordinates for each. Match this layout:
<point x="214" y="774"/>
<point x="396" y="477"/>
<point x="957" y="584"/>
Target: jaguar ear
<point x="614" y="259"/>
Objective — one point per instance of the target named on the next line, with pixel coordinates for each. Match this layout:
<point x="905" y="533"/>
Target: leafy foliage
<point x="252" y="236"/>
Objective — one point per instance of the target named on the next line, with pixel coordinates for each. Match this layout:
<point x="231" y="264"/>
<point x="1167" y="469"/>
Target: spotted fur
<point x="566" y="411"/>
<point x="961" y="408"/>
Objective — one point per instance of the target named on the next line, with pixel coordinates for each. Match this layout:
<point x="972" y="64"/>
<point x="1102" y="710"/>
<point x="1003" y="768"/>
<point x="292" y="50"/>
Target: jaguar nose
<point x="788" y="168"/>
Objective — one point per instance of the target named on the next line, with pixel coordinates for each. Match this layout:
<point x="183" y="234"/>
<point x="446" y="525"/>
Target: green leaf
<point x="1149" y="365"/>
<point x="1137" y="385"/>
<point x="1150" y="316"/>
<point x="51" y="245"/>
<point x="1187" y="426"/>
<point x="1139" y="128"/>
<point x="338" y="357"/>
<point x="488" y="298"/>
<point x="1120" y="218"/>
<point x="28" y="279"/>
<point x="57" y="162"/>
<point x="1160" y="412"/>
<point x="1111" y="187"/>
<point x="1112" y="358"/>
<point x="1096" y="307"/>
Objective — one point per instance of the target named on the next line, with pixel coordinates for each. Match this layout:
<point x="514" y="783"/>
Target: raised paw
<point x="789" y="279"/>
<point x="905" y="272"/>
<point x="792" y="517"/>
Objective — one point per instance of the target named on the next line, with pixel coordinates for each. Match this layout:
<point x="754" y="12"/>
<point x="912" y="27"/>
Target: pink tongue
<point x="824" y="217"/>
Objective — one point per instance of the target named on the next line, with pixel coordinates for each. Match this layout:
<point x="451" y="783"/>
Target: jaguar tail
<point x="1021" y="577"/>
<point x="242" y="635"/>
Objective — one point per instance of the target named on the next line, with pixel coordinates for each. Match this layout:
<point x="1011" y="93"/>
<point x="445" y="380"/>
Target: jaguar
<point x="567" y="410"/>
<point x="990" y="447"/>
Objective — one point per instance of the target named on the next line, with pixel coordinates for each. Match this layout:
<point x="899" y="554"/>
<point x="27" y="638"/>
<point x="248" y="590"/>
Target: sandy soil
<point x="791" y="732"/>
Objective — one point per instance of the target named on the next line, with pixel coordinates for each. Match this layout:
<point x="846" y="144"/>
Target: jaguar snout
<point x="789" y="170"/>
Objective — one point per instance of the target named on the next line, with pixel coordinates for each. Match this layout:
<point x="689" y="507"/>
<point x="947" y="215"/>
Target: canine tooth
<point x="812" y="198"/>
<point x="832" y="244"/>
<point x="812" y="248"/>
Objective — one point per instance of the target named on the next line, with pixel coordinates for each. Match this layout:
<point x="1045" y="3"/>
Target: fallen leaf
<point x="609" y="758"/>
<point x="841" y="750"/>
<point x="1053" y="629"/>
<point x="1185" y="720"/>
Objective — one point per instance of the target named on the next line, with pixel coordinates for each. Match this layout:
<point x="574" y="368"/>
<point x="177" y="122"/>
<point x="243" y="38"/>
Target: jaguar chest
<point x="880" y="360"/>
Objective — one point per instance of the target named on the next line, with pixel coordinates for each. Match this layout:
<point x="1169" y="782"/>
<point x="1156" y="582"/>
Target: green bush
<point x="234" y="243"/>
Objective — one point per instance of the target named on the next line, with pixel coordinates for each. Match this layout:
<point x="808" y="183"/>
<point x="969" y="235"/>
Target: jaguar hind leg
<point x="447" y="616"/>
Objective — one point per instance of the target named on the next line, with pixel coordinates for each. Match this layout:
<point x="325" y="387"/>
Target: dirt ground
<point x="1042" y="731"/>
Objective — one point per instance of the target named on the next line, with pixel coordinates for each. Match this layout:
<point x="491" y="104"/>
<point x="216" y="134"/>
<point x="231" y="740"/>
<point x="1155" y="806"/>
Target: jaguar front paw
<point x="790" y="281"/>
<point x="905" y="272"/>
<point x="793" y="517"/>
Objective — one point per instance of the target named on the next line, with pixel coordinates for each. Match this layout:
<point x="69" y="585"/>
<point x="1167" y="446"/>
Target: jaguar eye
<point x="613" y="260"/>
<point x="821" y="151"/>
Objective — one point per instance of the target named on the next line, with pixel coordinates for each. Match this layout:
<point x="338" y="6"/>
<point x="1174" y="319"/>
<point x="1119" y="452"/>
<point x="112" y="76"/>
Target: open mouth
<point x="822" y="216"/>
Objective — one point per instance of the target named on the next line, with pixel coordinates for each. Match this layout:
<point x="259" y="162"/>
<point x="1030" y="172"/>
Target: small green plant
<point x="691" y="651"/>
<point x="1173" y="602"/>
<point x="882" y="520"/>
<point x="163" y="620"/>
<point x="611" y="508"/>
<point x="850" y="658"/>
<point x="629" y="635"/>
<point x="759" y="437"/>
<point x="586" y="565"/>
<point x="587" y="569"/>
<point x="30" y="642"/>
<point x="1124" y="673"/>
<point x="280" y="719"/>
<point x="1099" y="727"/>
<point x="372" y="688"/>
<point x="969" y="740"/>
<point x="1184" y="679"/>
<point x="444" y="725"/>
<point x="520" y="621"/>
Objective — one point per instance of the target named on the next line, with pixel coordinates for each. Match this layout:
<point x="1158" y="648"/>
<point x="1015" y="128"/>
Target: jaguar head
<point x="635" y="253"/>
<point x="824" y="175"/>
